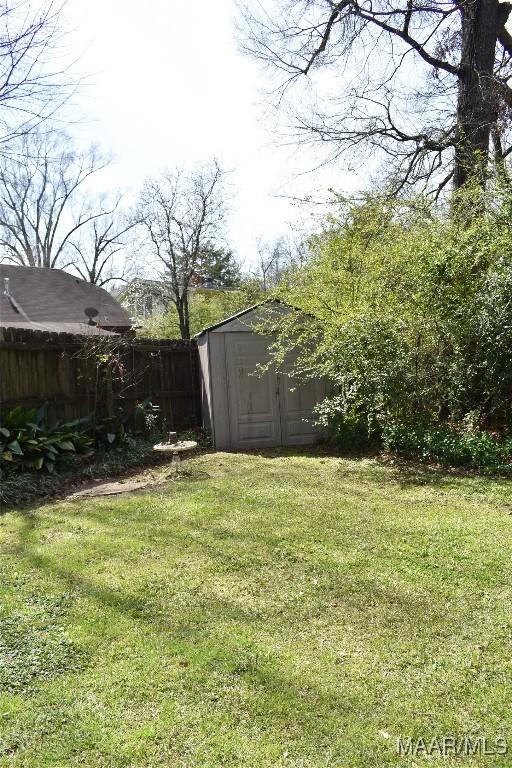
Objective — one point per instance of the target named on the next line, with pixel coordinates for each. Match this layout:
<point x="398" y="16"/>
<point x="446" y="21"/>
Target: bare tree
<point x="33" y="80"/>
<point x="275" y="258"/>
<point x="183" y="213"/>
<point x="426" y="84"/>
<point x="99" y="243"/>
<point x="45" y="202"/>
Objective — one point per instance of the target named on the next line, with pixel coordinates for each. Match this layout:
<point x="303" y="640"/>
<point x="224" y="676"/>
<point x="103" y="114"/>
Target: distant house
<point x="144" y="298"/>
<point x="53" y="300"/>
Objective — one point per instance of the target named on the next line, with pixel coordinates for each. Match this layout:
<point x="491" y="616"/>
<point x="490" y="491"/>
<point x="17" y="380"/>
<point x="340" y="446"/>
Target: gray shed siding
<point x="214" y="388"/>
<point x="219" y="401"/>
<point x="206" y="393"/>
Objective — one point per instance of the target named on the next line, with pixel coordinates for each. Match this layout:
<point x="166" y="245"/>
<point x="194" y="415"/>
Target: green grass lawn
<point x="280" y="610"/>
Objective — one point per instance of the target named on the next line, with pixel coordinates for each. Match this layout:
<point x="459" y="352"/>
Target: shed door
<point x="265" y="410"/>
<point x="297" y="401"/>
<point x="252" y="398"/>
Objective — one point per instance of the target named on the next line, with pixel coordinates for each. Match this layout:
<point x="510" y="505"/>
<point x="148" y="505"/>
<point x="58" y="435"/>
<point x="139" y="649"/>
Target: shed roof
<point x="237" y="315"/>
<point x="54" y="300"/>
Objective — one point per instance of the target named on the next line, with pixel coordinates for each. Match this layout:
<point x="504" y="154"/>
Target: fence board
<point x="76" y="375"/>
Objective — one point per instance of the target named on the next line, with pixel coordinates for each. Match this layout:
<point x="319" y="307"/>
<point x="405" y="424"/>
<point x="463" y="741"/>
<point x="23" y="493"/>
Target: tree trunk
<point x="476" y="103"/>
<point x="184" y="316"/>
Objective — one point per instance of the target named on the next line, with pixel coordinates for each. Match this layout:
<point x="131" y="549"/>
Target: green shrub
<point x="476" y="449"/>
<point x="404" y="308"/>
<point x="111" y="431"/>
<point x="201" y="437"/>
<point x="17" y="489"/>
<point x="351" y="432"/>
<point x="28" y="442"/>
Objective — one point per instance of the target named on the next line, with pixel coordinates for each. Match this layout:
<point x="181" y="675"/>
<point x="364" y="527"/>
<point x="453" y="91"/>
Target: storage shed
<point x="243" y="408"/>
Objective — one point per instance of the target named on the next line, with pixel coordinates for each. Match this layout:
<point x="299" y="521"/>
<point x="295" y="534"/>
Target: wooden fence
<point x="79" y="375"/>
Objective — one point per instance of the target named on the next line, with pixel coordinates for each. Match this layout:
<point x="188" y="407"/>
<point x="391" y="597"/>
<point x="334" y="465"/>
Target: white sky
<point x="168" y="87"/>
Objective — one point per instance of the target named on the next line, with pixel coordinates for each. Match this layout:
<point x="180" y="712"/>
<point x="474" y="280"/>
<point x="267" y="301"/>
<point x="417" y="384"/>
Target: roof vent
<point x="7" y="289"/>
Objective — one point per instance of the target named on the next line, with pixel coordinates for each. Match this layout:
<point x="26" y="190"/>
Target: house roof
<point x="53" y="300"/>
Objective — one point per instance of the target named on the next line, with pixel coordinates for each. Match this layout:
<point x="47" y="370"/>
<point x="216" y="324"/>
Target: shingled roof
<point x="53" y="300"/>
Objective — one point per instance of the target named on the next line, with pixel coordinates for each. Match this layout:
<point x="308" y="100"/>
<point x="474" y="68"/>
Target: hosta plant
<point x="29" y="442"/>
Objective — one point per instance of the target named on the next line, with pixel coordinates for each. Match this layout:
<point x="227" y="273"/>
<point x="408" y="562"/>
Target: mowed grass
<point x="278" y="610"/>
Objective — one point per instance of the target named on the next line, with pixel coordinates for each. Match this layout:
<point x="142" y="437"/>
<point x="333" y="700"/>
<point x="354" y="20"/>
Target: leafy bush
<point x="23" y="487"/>
<point x="198" y="434"/>
<point x="476" y="449"/>
<point x="113" y="430"/>
<point x="404" y="308"/>
<point x="28" y="442"/>
<point x="351" y="432"/>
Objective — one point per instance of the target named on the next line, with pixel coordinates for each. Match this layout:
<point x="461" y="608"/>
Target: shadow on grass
<point x="315" y="451"/>
<point x="135" y="606"/>
<point x="222" y="636"/>
<point x="219" y="636"/>
<point x="248" y="555"/>
<point x="408" y="473"/>
<point x="386" y="467"/>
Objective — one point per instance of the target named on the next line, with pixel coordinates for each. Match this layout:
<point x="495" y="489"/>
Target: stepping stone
<point x="111" y="489"/>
